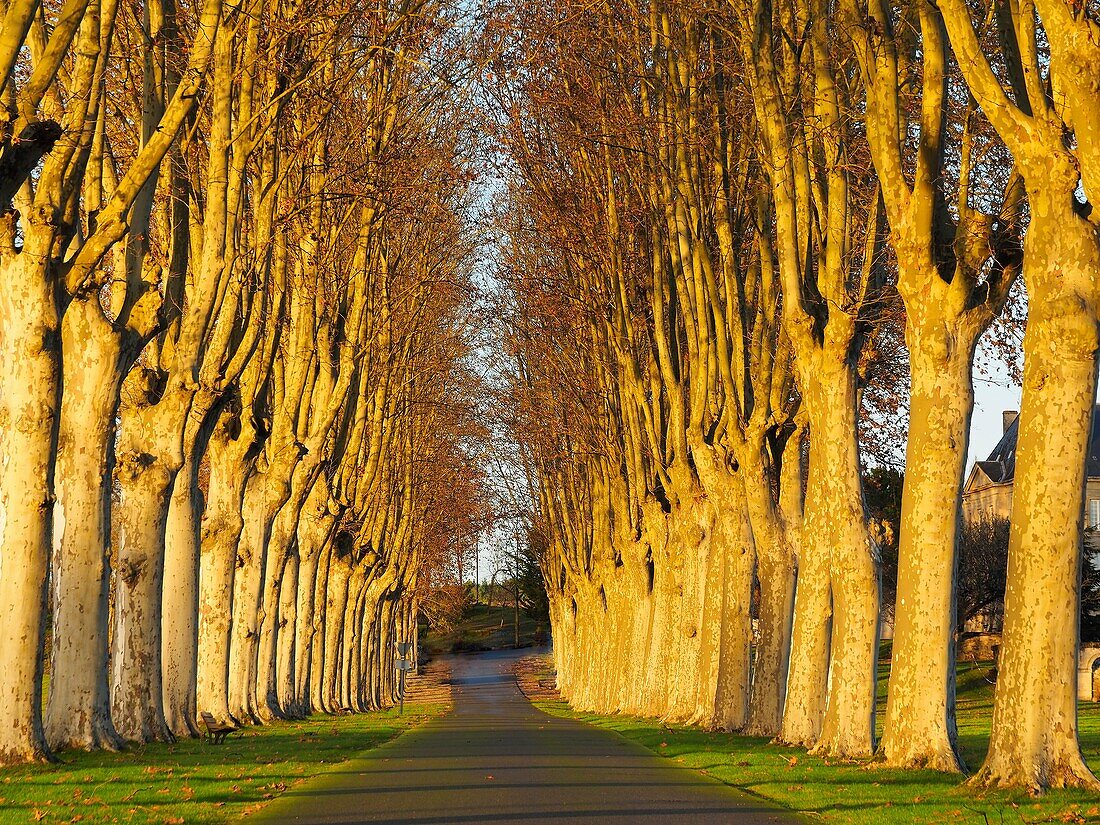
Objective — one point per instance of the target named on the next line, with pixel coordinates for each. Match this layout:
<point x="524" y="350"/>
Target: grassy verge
<point x="192" y="781"/>
<point x="862" y="794"/>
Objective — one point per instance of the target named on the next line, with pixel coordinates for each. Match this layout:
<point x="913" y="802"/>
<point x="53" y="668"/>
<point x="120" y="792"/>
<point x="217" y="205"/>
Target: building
<point x="988" y="489"/>
<point x="988" y="494"/>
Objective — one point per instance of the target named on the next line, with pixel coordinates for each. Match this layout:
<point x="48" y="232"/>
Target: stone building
<point x="988" y="494"/>
<point x="988" y="489"/>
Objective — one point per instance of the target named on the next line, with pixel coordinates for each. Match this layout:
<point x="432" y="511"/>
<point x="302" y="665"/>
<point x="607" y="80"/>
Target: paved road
<point x="495" y="759"/>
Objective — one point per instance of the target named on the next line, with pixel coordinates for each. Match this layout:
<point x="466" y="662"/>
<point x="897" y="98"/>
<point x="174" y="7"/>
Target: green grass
<point x="483" y="628"/>
<point x="192" y="781"/>
<point x="833" y="791"/>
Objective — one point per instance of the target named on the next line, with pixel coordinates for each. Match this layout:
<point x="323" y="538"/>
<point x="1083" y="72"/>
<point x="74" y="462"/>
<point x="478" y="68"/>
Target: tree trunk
<point x="181" y="601"/>
<point x="288" y="621"/>
<point x="319" y="655"/>
<point x="919" y="730"/>
<point x="811" y="632"/>
<point x="731" y="703"/>
<point x="848" y="728"/>
<point x="78" y="709"/>
<point x="221" y="532"/>
<point x="137" y="699"/>
<point x="1033" y="742"/>
<point x="335" y="606"/>
<point x="247" y="588"/>
<point x="775" y="572"/>
<point x="28" y="419"/>
<point x="315" y="527"/>
<point x="278" y="551"/>
<point x="305" y="626"/>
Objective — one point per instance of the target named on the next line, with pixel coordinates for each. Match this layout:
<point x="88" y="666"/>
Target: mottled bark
<point x="180" y="603"/>
<point x="247" y="589"/>
<point x="286" y="659"/>
<point x="336" y="599"/>
<point x="919" y="729"/>
<point x="145" y="481"/>
<point x="732" y="683"/>
<point x="29" y="383"/>
<point x="775" y="570"/>
<point x="221" y="531"/>
<point x="280" y="538"/>
<point x="1033" y="741"/>
<point x="319" y="657"/>
<point x="78" y="710"/>
<point x="848" y="728"/>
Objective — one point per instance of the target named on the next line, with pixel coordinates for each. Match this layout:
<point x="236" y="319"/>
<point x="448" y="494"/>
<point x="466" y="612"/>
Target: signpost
<point x="403" y="666"/>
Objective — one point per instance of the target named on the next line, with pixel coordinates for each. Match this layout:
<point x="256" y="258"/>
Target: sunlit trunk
<point x="848" y="728"/>
<point x="286" y="661"/>
<point x="336" y="599"/>
<point x="28" y="419"/>
<point x="221" y="531"/>
<point x="807" y="676"/>
<point x="247" y="589"/>
<point x="280" y="538"/>
<point x="180" y="601"/>
<point x="731" y="703"/>
<point x="775" y="568"/>
<point x="319" y="656"/>
<point x="145" y="483"/>
<point x="78" y="710"/>
<point x="919" y="729"/>
<point x="1033" y="741"/>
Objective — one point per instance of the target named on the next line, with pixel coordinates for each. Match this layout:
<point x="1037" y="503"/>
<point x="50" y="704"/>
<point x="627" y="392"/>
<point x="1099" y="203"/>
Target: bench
<point x="217" y="730"/>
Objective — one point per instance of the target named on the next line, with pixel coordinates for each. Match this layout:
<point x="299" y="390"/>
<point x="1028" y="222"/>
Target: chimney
<point x="1007" y="417"/>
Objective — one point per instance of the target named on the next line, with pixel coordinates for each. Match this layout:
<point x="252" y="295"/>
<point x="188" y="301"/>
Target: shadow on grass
<point x="838" y="791"/>
<point x="193" y="780"/>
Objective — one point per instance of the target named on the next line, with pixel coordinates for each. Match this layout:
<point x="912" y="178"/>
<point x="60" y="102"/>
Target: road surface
<point x="496" y="759"/>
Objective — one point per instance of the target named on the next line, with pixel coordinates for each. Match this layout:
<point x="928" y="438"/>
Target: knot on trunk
<point x="131" y="571"/>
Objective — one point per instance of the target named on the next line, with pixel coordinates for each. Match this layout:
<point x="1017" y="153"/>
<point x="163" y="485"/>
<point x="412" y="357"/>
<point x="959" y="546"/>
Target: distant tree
<point x="983" y="564"/>
<point x="532" y="587"/>
<point x="1090" y="587"/>
<point x="882" y="497"/>
<point x="444" y="606"/>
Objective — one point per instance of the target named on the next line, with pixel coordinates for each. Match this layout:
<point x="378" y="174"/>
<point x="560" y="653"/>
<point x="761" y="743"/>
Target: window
<point x="1094" y="512"/>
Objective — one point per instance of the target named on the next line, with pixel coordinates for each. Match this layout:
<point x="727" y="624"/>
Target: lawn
<point x="483" y="628"/>
<point x="859" y="793"/>
<point x="191" y="780"/>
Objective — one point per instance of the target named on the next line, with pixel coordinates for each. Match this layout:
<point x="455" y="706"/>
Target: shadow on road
<point x="495" y="758"/>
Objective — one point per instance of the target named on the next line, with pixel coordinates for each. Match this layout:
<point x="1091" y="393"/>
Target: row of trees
<point x="721" y="215"/>
<point x="234" y="394"/>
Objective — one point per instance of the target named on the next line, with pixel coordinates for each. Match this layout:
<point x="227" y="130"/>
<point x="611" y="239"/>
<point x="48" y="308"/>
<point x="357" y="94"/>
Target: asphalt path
<point x="495" y="758"/>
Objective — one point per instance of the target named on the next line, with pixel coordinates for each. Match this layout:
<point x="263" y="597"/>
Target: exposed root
<point x="1036" y="778"/>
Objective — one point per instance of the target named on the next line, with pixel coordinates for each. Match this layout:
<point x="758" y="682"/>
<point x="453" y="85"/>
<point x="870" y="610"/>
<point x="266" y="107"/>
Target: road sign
<point x="403" y="666"/>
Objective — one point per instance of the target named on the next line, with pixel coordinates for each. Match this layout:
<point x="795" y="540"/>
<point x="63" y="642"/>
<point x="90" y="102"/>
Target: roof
<point x="1000" y="466"/>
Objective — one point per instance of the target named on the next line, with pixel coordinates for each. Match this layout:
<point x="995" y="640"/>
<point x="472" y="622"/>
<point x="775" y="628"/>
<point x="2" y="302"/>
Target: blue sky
<point x="994" y="392"/>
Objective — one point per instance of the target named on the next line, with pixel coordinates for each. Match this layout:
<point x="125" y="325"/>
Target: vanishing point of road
<point x="496" y="759"/>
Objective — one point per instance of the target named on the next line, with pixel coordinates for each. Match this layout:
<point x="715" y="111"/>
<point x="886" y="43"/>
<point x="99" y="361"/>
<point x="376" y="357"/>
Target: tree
<point x="1051" y="137"/>
<point x="53" y="251"/>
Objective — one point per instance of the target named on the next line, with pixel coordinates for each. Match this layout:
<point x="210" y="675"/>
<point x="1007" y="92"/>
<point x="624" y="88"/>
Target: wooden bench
<point x="216" y="729"/>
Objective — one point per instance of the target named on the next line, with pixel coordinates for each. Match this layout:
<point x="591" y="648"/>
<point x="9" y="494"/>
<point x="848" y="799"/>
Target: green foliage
<point x="856" y="793"/>
<point x="532" y="590"/>
<point x="192" y="780"/>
